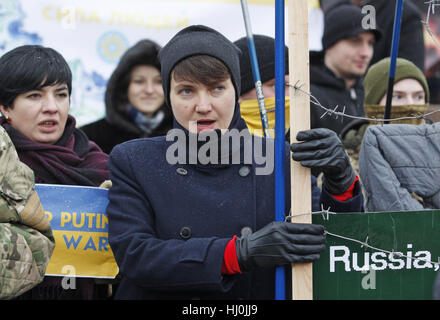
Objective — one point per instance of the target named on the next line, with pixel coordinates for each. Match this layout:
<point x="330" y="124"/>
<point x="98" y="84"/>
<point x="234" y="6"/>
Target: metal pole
<point x="393" y="54"/>
<point x="279" y="134"/>
<point x="255" y="69"/>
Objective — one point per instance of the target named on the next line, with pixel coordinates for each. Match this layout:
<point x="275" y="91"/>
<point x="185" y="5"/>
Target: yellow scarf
<point x="250" y="112"/>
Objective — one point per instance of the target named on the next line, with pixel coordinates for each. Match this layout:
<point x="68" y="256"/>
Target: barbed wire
<point x="329" y="111"/>
<point x="431" y="10"/>
<point x="325" y="213"/>
<point x="432" y="4"/>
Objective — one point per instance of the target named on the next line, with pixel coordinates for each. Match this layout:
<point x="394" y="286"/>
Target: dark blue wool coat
<point x="169" y="224"/>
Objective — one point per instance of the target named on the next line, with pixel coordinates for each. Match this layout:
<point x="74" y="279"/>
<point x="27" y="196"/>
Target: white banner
<point x="93" y="34"/>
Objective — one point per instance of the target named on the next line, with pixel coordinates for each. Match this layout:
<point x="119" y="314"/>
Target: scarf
<point x="250" y="111"/>
<point x="146" y="124"/>
<point x="73" y="160"/>
<point x="378" y="111"/>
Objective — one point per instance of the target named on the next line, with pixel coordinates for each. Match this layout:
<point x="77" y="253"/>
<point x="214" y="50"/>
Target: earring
<point x="8" y="120"/>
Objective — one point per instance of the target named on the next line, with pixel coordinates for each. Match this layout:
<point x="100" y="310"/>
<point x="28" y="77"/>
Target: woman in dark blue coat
<point x="190" y="218"/>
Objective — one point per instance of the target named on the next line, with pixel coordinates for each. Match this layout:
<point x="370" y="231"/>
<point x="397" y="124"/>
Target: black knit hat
<point x="342" y="22"/>
<point x="265" y="48"/>
<point x="199" y="40"/>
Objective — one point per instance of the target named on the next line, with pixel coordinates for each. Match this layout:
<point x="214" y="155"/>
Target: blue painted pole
<point x="280" y="290"/>
<point x="255" y="68"/>
<point x="393" y="54"/>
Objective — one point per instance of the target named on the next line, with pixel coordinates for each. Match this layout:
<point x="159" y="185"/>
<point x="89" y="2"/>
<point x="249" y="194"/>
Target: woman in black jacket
<point x="202" y="226"/>
<point x="134" y="100"/>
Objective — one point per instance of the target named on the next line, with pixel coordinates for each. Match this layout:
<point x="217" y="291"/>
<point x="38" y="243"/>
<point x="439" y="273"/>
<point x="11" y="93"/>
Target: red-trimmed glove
<point x="323" y="150"/>
<point x="280" y="243"/>
<point x="347" y="195"/>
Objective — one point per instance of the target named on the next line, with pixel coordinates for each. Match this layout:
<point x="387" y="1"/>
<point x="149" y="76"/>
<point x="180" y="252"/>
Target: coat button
<point x="182" y="171"/>
<point x="245" y="231"/>
<point x="244" y="171"/>
<point x="185" y="232"/>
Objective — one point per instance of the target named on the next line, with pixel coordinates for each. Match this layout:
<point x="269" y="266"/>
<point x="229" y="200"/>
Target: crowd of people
<point x="203" y="226"/>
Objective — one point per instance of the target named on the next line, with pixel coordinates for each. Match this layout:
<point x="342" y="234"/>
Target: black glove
<point x="323" y="150"/>
<point x="280" y="243"/>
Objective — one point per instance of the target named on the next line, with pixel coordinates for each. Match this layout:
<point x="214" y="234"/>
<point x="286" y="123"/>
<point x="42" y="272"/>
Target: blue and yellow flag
<point x="80" y="228"/>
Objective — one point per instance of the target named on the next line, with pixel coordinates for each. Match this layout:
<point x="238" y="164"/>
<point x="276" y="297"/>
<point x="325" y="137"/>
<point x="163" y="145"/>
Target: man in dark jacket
<point x="411" y="44"/>
<point x="336" y="73"/>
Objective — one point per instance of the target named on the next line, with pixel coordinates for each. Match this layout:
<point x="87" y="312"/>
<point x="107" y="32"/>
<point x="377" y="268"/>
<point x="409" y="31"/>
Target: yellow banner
<point x="80" y="227"/>
<point x="82" y="254"/>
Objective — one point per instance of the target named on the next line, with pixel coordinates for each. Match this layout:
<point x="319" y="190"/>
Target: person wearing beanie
<point x="336" y="73"/>
<point x="411" y="43"/>
<point x="265" y="48"/>
<point x="410" y="97"/>
<point x="187" y="225"/>
<point x="410" y="84"/>
<point x="398" y="161"/>
<point x="134" y="100"/>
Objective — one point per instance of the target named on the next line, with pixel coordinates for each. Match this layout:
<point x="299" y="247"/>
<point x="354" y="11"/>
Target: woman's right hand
<point x="280" y="243"/>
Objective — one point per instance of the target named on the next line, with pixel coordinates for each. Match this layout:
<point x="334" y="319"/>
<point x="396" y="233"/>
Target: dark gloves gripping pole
<point x="280" y="243"/>
<point x="322" y="149"/>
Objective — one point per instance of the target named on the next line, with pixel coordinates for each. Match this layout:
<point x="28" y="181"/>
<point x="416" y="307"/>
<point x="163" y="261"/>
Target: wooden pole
<point x="301" y="193"/>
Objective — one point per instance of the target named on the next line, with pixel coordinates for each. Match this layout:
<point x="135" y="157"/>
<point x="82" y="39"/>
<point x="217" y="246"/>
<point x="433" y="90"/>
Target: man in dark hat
<point x="265" y="49"/>
<point x="336" y="73"/>
<point x="411" y="45"/>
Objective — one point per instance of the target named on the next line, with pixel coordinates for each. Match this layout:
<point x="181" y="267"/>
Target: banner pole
<point x="300" y="177"/>
<point x="280" y="142"/>
<point x="393" y="54"/>
<point x="255" y="68"/>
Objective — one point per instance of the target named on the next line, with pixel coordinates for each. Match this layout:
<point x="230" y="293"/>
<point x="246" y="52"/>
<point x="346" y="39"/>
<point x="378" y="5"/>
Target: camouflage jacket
<point x="26" y="241"/>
